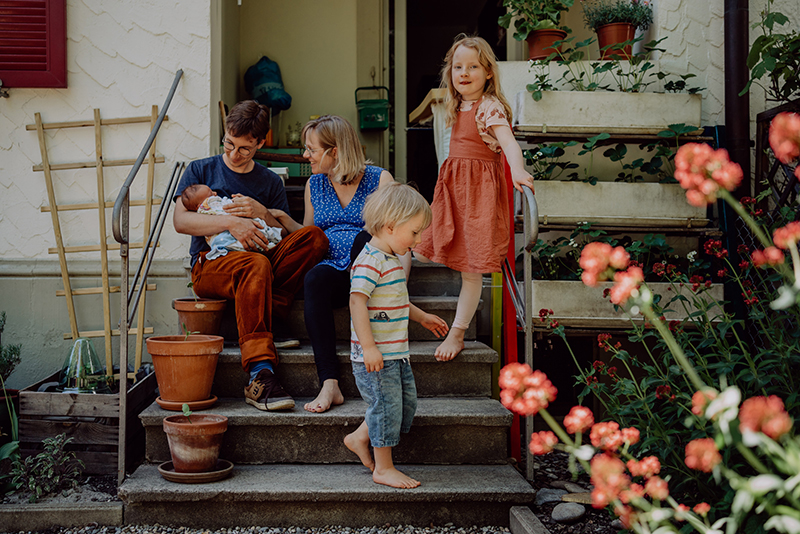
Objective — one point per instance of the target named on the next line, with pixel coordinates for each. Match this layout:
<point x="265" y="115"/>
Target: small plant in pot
<point x="615" y="22"/>
<point x="537" y="21"/>
<point x="199" y="315"/>
<point x="194" y="440"/>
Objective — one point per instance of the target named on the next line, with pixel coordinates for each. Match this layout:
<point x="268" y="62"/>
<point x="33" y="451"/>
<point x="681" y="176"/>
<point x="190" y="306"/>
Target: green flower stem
<point x="674" y="347"/>
<point x="562" y="435"/>
<point x="749" y="221"/>
<point x="752" y="459"/>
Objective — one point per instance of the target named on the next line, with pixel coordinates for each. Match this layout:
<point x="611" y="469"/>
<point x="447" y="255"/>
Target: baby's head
<point x="393" y="206"/>
<point x="194" y="195"/>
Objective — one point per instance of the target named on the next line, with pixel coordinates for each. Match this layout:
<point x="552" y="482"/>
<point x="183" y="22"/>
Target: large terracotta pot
<point x="194" y="446"/>
<point x="611" y="34"/>
<point x="540" y="42"/>
<point x="199" y="316"/>
<point x="185" y="365"/>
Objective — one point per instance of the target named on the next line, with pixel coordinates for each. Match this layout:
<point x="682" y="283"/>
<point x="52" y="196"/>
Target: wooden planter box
<point x="577" y="305"/>
<point x="592" y="112"/>
<point x="617" y="204"/>
<point x="91" y="419"/>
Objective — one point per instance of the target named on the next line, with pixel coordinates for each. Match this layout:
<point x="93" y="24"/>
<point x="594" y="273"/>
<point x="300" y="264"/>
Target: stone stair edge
<point x="431" y="411"/>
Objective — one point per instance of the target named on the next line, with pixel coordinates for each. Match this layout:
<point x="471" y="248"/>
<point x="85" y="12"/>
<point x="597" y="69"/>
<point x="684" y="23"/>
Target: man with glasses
<point x="262" y="285"/>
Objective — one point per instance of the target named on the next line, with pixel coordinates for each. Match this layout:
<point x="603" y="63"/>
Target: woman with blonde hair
<point x="334" y="200"/>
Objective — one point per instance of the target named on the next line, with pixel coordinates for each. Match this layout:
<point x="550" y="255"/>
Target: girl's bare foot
<point x="451" y="346"/>
<point x="329" y="395"/>
<point x="394" y="478"/>
<point x="358" y="442"/>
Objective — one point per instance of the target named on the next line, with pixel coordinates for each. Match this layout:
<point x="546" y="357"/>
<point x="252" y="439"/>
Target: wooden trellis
<point x="100" y="204"/>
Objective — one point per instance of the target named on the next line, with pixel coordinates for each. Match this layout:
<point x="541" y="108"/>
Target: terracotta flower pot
<point x="194" y="446"/>
<point x="185" y="365"/>
<point x="611" y="34"/>
<point x="200" y="316"/>
<point x="540" y="42"/>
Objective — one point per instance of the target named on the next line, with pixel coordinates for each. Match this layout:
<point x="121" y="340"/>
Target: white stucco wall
<point x="121" y="58"/>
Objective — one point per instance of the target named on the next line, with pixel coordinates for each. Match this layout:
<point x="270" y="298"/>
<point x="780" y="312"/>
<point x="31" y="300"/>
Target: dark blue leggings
<point x="327" y="288"/>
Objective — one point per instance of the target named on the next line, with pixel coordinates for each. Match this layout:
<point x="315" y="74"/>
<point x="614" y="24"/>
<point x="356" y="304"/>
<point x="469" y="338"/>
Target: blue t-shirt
<point x="341" y="225"/>
<point x="260" y="184"/>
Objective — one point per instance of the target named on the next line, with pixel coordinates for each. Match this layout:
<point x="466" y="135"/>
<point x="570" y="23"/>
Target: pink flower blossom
<point x="630" y="435"/>
<point x="701" y="171"/>
<point x="784" y="136"/>
<point x="787" y="236"/>
<point x="769" y="256"/>
<point x="595" y="256"/>
<point x="634" y="491"/>
<point x="579" y="419"/>
<point x="606" y="436"/>
<point x="626" y="282"/>
<point x="765" y="414"/>
<point x="647" y="467"/>
<point x="702" y="509"/>
<point x="542" y="442"/>
<point x="702" y="454"/>
<point x="701" y="399"/>
<point x="657" y="488"/>
<point x="525" y="392"/>
<point x="608" y="478"/>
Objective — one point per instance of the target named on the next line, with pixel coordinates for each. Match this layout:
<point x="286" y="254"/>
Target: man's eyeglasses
<point x="244" y="151"/>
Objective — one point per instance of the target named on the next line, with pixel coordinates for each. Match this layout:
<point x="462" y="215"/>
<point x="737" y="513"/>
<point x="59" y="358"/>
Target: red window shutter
<point x="33" y="43"/>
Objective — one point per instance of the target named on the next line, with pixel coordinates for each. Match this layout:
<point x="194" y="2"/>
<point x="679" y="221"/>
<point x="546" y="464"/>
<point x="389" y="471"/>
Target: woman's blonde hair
<point x="334" y="131"/>
<point x="394" y="204"/>
<point x="488" y="61"/>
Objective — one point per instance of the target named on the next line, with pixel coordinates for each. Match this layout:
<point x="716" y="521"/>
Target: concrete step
<point x="443" y="306"/>
<point x="468" y="375"/>
<point x="321" y="495"/>
<point x="445" y="431"/>
<point x="433" y="279"/>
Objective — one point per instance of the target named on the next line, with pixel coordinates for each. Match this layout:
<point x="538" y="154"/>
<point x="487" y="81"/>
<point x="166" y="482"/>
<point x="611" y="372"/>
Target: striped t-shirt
<point x="380" y="277"/>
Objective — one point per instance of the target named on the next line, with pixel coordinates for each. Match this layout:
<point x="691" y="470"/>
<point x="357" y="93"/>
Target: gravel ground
<point x="386" y="529"/>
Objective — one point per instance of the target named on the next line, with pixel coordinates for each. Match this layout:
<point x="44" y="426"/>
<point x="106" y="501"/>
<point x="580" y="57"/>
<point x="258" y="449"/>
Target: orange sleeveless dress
<point x="470" y="228"/>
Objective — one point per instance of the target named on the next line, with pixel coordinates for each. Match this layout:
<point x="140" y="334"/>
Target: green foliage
<point x="775" y="58"/>
<point x="52" y="470"/>
<point x="187" y="412"/>
<point x="601" y="12"/>
<point x="533" y="15"/>
<point x="9" y="354"/>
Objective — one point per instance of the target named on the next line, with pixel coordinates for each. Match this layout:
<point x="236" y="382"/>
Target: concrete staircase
<point x="291" y="467"/>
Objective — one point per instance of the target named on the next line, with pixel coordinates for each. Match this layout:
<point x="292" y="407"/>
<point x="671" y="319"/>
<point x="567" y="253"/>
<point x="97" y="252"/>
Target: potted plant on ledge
<point x="615" y="22"/>
<point x="537" y="21"/>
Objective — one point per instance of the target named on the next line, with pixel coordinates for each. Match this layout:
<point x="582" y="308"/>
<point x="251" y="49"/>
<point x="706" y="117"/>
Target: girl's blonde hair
<point x="334" y="131"/>
<point x="488" y="61"/>
<point x="394" y="204"/>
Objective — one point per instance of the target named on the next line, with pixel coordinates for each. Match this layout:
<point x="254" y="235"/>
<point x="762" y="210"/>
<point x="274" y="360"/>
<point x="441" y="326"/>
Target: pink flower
<point x="579" y="419"/>
<point x="702" y="509"/>
<point x="787" y="236"/>
<point x="634" y="491"/>
<point x="647" y="467"/>
<point x="630" y="435"/>
<point x="702" y="454"/>
<point x="701" y="399"/>
<point x="595" y="257"/>
<point x="606" y="436"/>
<point x="701" y="171"/>
<point x="765" y="414"/>
<point x="619" y="258"/>
<point x="769" y="256"/>
<point x="542" y="442"/>
<point x="608" y="478"/>
<point x="525" y="392"/>
<point x="784" y="136"/>
<point x="657" y="488"/>
<point x="626" y="282"/>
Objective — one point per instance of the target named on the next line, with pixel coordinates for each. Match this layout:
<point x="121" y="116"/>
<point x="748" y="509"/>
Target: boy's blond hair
<point x="334" y="131"/>
<point x="393" y="204"/>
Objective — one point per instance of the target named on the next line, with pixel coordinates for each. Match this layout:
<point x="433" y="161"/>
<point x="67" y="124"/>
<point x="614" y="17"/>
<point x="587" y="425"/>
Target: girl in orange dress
<point x="470" y="229"/>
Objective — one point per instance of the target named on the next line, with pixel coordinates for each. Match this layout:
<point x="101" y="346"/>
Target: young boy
<point x="395" y="215"/>
<point x="200" y="198"/>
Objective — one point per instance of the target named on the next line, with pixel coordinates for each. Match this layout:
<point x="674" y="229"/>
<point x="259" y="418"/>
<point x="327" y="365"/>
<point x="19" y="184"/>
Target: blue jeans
<point x="391" y="397"/>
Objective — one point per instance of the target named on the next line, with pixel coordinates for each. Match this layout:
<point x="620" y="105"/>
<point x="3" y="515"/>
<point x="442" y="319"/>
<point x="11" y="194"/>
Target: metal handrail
<point x="119" y="223"/>
<point x="531" y="232"/>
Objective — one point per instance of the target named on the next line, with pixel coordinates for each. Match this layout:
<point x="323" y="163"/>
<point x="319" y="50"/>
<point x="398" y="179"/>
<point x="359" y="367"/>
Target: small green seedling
<point x="187" y="412"/>
<point x="187" y="332"/>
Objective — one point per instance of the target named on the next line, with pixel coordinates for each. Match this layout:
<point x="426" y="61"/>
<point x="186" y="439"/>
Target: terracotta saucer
<point x="193" y="405"/>
<point x="224" y="468"/>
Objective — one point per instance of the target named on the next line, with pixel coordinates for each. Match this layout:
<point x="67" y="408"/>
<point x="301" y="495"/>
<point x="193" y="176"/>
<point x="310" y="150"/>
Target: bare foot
<point x="358" y="442"/>
<point x="394" y="478"/>
<point x="329" y="395"/>
<point x="451" y="346"/>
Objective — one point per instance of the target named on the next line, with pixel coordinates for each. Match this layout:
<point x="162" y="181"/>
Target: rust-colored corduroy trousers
<point x="261" y="286"/>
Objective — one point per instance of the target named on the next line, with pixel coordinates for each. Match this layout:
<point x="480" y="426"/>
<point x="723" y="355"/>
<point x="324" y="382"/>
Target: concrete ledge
<point x="523" y="521"/>
<point x="41" y="516"/>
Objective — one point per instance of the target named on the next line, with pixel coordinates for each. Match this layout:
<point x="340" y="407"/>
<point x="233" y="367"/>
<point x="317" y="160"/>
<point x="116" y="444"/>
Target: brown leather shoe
<point x="266" y="393"/>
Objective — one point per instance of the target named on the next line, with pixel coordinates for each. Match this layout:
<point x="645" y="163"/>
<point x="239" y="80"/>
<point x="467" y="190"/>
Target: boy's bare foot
<point x="358" y="442"/>
<point x="451" y="346"/>
<point x="394" y="478"/>
<point x="329" y="395"/>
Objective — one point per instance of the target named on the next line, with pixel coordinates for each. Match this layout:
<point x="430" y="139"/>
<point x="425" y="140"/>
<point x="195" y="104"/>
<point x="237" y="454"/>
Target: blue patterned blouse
<point x="341" y="225"/>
